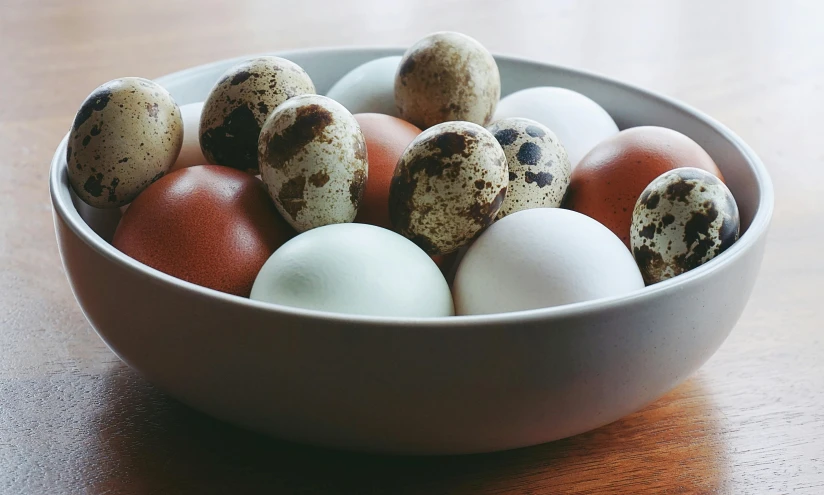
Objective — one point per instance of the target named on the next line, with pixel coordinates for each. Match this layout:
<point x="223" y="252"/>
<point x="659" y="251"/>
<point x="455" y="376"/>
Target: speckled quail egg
<point x="683" y="219"/>
<point x="313" y="160"/>
<point x="448" y="185"/>
<point x="538" y="165"/>
<point x="447" y="76"/>
<point x="237" y="105"/>
<point x="126" y="135"/>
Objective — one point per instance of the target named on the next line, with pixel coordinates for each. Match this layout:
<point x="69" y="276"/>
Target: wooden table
<point x="73" y="419"/>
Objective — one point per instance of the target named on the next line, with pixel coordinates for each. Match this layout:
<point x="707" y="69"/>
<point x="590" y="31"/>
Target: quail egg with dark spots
<point x="237" y="105"/>
<point x="126" y="135"/>
<point x="313" y="160"/>
<point x="538" y="165"/>
<point x="683" y="219"/>
<point x="448" y="186"/>
<point x="444" y="77"/>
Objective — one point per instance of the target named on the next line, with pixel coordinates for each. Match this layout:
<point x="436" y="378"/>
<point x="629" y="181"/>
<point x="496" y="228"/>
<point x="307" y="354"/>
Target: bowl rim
<point x="63" y="206"/>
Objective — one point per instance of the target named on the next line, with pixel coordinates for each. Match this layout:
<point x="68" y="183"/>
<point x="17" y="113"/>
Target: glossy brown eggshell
<point x="607" y="182"/>
<point x="210" y="225"/>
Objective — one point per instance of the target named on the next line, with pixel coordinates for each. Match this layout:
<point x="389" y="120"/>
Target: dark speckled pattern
<point x="683" y="219"/>
<point x="445" y="77"/>
<point x="125" y="136"/>
<point x="235" y="109"/>
<point x="539" y="167"/>
<point x="448" y="186"/>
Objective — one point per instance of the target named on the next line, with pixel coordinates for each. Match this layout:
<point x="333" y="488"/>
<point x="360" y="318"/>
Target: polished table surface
<point x="73" y="419"/>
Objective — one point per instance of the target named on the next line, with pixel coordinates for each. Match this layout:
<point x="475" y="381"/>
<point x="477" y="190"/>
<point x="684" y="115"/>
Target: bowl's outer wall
<point x="436" y="388"/>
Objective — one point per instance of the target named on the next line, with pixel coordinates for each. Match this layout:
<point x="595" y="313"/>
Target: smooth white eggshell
<point x="579" y="122"/>
<point x="190" y="153"/>
<point x="356" y="269"/>
<point x="368" y="88"/>
<point x="540" y="258"/>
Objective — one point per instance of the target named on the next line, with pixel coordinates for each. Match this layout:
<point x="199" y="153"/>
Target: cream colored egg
<point x="539" y="168"/>
<point x="448" y="185"/>
<point x="237" y="105"/>
<point x="447" y="76"/>
<point x="313" y="160"/>
<point x="126" y="135"/>
<point x="683" y="219"/>
<point x="354" y="269"/>
<point x="540" y="258"/>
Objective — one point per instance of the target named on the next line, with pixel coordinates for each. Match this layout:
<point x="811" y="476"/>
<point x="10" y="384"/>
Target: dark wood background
<point x="73" y="419"/>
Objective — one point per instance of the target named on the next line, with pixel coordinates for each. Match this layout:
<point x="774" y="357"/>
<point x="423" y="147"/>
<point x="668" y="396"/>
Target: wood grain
<point x="75" y="420"/>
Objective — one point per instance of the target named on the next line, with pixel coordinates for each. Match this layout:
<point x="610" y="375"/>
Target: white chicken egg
<point x="579" y="122"/>
<point x="540" y="258"/>
<point x="190" y="153"/>
<point x="369" y="88"/>
<point x="356" y="269"/>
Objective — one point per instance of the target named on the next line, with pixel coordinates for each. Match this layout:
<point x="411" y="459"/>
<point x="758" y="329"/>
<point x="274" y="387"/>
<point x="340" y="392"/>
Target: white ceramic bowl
<point x="447" y="385"/>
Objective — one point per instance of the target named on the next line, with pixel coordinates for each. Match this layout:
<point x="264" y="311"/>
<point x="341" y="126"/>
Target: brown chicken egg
<point x="386" y="139"/>
<point x="609" y="179"/>
<point x="210" y="225"/>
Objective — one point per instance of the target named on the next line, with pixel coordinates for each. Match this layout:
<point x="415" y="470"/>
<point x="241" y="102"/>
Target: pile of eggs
<point x="411" y="189"/>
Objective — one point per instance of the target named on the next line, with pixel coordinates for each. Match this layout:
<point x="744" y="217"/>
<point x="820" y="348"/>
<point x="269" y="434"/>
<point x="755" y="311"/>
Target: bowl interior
<point x="629" y="105"/>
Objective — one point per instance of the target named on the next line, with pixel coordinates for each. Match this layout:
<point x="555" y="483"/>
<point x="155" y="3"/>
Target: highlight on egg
<point x="540" y="258"/>
<point x="354" y="269"/>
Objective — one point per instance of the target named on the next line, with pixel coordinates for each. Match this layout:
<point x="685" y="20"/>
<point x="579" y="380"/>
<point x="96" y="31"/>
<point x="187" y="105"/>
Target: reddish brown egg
<point x="210" y="225"/>
<point x="386" y="138"/>
<point x="609" y="179"/>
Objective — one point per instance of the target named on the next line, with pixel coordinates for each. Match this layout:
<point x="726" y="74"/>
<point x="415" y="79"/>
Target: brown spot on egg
<point x="505" y="137"/>
<point x="96" y="102"/>
<point x="234" y="141"/>
<point x="310" y="121"/>
<point x="529" y="154"/>
<point x="679" y="190"/>
<point x="152" y="109"/>
<point x="240" y="77"/>
<point x="291" y="196"/>
<point x="319" y="179"/>
<point x="93" y="185"/>
<point x="356" y="187"/>
<point x="542" y="179"/>
<point x="648" y="231"/>
<point x="650" y="262"/>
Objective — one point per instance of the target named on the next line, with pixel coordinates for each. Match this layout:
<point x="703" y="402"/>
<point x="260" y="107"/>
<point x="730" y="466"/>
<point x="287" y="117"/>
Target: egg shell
<point x="237" y="105"/>
<point x="190" y="152"/>
<point x="354" y="269"/>
<point x="368" y="88"/>
<point x="386" y="139"/>
<point x="126" y="135"/>
<point x="210" y="225"/>
<point x="447" y="76"/>
<point x="314" y="161"/>
<point x="448" y="185"/>
<point x="683" y="219"/>
<point x="540" y="258"/>
<point x="608" y="181"/>
<point x="576" y="120"/>
<point x="538" y="165"/>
